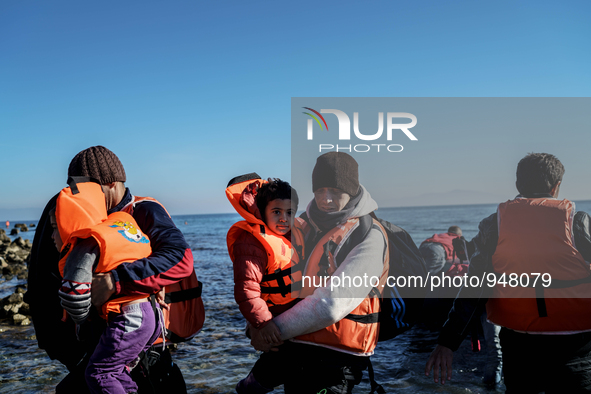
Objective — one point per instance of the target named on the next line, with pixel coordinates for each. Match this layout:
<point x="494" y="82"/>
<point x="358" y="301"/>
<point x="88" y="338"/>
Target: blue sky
<point x="189" y="94"/>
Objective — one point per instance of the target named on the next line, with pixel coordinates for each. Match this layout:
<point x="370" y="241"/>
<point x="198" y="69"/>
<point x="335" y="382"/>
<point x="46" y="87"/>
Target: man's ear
<point x="108" y="187"/>
<point x="555" y="189"/>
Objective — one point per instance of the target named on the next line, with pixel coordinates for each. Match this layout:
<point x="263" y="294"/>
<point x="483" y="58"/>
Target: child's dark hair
<point x="275" y="189"/>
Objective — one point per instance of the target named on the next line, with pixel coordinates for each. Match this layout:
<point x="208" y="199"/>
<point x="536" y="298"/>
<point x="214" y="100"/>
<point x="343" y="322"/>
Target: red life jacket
<point x="186" y="314"/>
<point x="445" y="240"/>
<point x="350" y="334"/>
<point x="536" y="236"/>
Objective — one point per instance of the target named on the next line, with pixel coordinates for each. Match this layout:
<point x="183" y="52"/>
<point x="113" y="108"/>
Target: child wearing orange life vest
<point x="91" y="241"/>
<point x="265" y="274"/>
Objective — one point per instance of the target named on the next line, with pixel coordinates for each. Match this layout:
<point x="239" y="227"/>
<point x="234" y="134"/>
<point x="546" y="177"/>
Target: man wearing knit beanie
<point x="171" y="261"/>
<point x="337" y="170"/>
<point x="103" y="165"/>
<point x="328" y="342"/>
<point x="97" y="162"/>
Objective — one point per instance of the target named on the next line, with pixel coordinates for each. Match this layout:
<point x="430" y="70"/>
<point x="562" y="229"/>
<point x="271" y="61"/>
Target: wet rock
<point x="14" y="258"/>
<point x="32" y="225"/>
<point x="3" y="263"/>
<point x="20" y="320"/>
<point x="18" y="242"/>
<point x="3" y="237"/>
<point x="15" y="298"/>
<point x="14" y="231"/>
<point x="13" y="305"/>
<point x="11" y="309"/>
<point x="19" y="270"/>
<point x="24" y="309"/>
<point x="21" y="227"/>
<point x="21" y="289"/>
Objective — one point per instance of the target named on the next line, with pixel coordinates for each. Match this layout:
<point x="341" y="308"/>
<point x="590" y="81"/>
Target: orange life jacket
<point x="81" y="213"/>
<point x="282" y="278"/>
<point x="353" y="334"/>
<point x="186" y="314"/>
<point x="536" y="236"/>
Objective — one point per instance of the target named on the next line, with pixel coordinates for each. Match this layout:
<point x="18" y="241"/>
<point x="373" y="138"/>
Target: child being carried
<point x="90" y="241"/>
<point x="266" y="249"/>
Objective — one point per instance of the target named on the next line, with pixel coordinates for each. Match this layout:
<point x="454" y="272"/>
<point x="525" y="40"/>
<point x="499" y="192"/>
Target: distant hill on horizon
<point x="454" y="197"/>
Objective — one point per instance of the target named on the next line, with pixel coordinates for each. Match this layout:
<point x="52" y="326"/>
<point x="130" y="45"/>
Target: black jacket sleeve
<point x="470" y="301"/>
<point x="582" y="235"/>
<point x="56" y="337"/>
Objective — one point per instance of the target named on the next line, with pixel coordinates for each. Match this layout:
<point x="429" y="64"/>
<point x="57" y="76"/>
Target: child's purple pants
<point x="127" y="334"/>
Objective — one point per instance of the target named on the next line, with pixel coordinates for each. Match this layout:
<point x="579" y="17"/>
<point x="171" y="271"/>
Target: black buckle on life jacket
<point x="299" y="249"/>
<point x="283" y="288"/>
<point x="152" y="357"/>
<point x="324" y="263"/>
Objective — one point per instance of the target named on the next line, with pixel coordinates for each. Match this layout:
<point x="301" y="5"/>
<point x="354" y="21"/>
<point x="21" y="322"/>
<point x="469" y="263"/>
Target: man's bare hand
<point x="103" y="287"/>
<point x="441" y="358"/>
<point x="160" y="299"/>
<point x="259" y="342"/>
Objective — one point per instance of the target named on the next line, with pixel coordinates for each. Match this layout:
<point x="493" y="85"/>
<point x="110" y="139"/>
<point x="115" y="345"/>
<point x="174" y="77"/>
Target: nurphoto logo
<point x="345" y="130"/>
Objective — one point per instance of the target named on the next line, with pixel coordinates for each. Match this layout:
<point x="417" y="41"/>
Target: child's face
<point x="57" y="240"/>
<point x="279" y="216"/>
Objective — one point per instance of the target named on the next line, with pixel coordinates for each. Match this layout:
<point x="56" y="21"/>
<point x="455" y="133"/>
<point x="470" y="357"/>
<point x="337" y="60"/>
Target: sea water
<point x="220" y="355"/>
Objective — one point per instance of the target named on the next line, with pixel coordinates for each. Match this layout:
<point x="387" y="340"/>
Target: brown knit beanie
<point x="338" y="170"/>
<point x="97" y="162"/>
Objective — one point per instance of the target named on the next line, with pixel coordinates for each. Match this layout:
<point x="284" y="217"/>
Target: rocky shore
<point x="14" y="256"/>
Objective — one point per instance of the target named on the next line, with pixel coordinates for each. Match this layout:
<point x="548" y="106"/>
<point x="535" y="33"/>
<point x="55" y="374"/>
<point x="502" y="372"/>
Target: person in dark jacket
<point x="171" y="261"/>
<point x="542" y="350"/>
